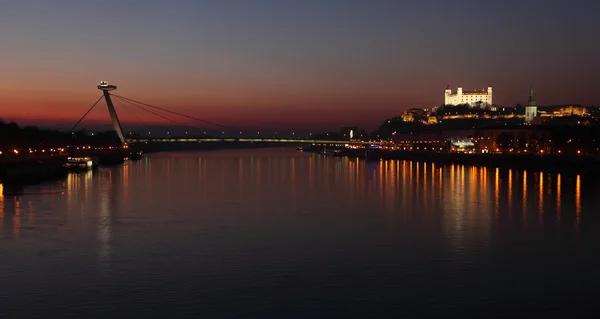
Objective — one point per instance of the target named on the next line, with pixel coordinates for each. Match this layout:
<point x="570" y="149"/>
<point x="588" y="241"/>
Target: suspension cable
<point x="161" y="116"/>
<point x="176" y="113"/>
<point x="130" y="111"/>
<point x="86" y="113"/>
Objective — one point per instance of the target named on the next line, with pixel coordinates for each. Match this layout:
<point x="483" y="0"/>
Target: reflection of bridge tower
<point x="105" y="87"/>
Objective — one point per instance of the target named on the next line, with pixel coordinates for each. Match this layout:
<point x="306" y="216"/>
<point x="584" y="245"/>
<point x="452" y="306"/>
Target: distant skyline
<point x="270" y="65"/>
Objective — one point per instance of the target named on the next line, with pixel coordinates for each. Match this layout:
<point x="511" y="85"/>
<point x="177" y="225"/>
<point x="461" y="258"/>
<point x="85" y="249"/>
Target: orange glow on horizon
<point x="56" y="105"/>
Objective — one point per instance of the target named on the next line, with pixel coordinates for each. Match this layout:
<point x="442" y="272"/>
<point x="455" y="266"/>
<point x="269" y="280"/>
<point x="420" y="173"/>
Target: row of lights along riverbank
<point x="57" y="151"/>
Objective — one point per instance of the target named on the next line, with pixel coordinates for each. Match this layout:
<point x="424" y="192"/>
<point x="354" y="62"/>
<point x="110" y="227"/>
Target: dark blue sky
<point x="266" y="63"/>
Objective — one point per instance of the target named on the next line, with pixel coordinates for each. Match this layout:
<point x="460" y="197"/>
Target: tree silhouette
<point x="505" y="140"/>
<point x="521" y="142"/>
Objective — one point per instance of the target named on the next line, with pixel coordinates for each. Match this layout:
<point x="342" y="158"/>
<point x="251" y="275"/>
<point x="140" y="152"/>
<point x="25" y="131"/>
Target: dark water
<point x="280" y="234"/>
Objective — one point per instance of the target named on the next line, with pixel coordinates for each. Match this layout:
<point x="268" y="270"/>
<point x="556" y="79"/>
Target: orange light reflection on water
<point x="558" y="195"/>
<point x="417" y="177"/>
<point x="497" y="192"/>
<point x="452" y="178"/>
<point x="1" y="208"/>
<point x="524" y="195"/>
<point x="472" y="193"/>
<point x="578" y="199"/>
<point x="510" y="191"/>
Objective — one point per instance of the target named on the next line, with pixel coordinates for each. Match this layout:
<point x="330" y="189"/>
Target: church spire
<point x="531" y="100"/>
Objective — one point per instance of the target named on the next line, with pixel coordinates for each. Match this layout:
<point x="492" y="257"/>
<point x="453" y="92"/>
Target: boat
<point x="299" y="148"/>
<point x="82" y="163"/>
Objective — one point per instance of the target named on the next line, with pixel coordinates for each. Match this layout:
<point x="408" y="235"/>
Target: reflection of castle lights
<point x="524" y="195"/>
<point x="541" y="194"/>
<point x="497" y="191"/>
<point x="578" y="201"/>
<point x="578" y="195"/>
<point x="558" y="194"/>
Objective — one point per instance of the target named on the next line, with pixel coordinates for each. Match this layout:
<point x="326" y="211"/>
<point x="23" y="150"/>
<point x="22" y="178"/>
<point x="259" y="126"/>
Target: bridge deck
<point x="247" y="140"/>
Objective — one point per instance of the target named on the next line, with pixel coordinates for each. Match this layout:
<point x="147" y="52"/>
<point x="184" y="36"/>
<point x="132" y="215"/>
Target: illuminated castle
<point x="480" y="98"/>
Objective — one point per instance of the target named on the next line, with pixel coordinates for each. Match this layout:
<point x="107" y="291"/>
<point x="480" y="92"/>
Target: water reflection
<point x="392" y="186"/>
<point x="104" y="229"/>
<point x="541" y="198"/>
<point x="578" y="200"/>
<point x="510" y="191"/>
<point x="228" y="220"/>
<point x="396" y="187"/>
<point x="1" y="209"/>
<point x="524" y="196"/>
<point x="558" y="195"/>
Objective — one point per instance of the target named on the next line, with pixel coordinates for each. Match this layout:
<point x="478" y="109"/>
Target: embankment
<point x="546" y="163"/>
<point x="27" y="171"/>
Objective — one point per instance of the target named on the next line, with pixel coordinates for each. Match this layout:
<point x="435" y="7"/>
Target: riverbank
<point x="18" y="172"/>
<point x="33" y="171"/>
<point x="546" y="163"/>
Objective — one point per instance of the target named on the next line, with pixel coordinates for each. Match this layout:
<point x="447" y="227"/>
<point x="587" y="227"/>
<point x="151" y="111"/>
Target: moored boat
<point x="83" y="163"/>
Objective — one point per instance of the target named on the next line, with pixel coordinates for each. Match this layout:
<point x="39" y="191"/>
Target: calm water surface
<point x="280" y="234"/>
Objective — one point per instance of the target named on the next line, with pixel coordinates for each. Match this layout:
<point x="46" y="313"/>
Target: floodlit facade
<point x="480" y="98"/>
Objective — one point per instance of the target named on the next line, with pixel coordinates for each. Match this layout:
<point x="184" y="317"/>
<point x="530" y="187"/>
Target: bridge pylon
<point x="105" y="88"/>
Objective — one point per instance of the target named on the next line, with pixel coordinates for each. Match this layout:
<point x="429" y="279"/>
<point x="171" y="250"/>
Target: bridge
<point x="247" y="140"/>
<point x="110" y="97"/>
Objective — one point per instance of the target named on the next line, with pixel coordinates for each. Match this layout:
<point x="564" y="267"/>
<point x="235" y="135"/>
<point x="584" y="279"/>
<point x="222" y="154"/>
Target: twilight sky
<point x="310" y="64"/>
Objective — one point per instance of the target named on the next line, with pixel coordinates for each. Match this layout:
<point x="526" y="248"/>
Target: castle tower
<point x="447" y="94"/>
<point x="530" y="108"/>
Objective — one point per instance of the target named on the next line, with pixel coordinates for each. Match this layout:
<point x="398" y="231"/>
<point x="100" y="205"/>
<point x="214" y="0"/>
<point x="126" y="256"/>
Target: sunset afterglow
<point x="309" y="64"/>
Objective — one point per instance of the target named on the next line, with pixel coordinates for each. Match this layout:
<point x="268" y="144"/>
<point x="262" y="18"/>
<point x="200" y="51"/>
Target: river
<point x="275" y="233"/>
